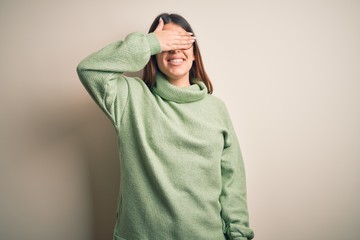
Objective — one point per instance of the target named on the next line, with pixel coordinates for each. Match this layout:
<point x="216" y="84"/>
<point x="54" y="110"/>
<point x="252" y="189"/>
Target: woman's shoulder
<point x="217" y="105"/>
<point x="216" y="101"/>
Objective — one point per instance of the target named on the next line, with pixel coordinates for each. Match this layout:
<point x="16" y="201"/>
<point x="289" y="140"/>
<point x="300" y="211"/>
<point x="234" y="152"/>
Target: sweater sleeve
<point x="101" y="73"/>
<point x="233" y="201"/>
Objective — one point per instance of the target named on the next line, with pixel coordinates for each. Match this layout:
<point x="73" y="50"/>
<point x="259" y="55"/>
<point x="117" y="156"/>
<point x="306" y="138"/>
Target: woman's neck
<point x="181" y="82"/>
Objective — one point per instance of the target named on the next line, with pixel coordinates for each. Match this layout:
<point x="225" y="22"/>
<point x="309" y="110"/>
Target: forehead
<point x="173" y="27"/>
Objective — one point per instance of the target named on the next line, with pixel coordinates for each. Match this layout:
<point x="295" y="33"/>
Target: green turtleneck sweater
<point x="182" y="173"/>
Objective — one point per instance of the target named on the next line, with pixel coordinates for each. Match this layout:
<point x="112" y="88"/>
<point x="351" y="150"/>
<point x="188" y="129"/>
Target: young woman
<point x="182" y="173"/>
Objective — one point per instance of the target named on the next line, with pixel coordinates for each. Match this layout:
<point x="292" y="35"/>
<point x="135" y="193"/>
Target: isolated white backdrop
<point x="289" y="72"/>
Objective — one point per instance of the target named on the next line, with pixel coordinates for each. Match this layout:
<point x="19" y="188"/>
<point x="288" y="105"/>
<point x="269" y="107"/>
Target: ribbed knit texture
<point x="182" y="174"/>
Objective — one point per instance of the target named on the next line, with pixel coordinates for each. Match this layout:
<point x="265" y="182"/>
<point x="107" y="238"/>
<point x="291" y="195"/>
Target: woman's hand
<point x="173" y="40"/>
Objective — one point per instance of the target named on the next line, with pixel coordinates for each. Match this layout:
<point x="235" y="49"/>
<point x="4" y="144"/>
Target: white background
<point x="289" y="72"/>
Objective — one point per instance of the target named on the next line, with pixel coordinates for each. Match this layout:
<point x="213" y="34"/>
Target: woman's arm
<point x="102" y="72"/>
<point x="233" y="196"/>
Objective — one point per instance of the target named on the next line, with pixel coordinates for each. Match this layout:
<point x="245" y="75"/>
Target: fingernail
<point x="160" y="19"/>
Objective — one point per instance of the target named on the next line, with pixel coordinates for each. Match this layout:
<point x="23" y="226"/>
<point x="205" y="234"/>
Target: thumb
<point x="160" y="25"/>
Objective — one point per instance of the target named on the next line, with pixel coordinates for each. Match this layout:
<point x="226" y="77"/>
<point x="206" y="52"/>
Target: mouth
<point x="176" y="61"/>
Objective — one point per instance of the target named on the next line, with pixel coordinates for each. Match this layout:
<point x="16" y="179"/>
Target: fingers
<point x="186" y="40"/>
<point x="182" y="42"/>
<point x="183" y="37"/>
<point x="183" y="47"/>
<point x="173" y="40"/>
<point x="160" y="25"/>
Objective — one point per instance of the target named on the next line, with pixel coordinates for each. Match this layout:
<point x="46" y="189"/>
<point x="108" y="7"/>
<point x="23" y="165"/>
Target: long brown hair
<point x="197" y="70"/>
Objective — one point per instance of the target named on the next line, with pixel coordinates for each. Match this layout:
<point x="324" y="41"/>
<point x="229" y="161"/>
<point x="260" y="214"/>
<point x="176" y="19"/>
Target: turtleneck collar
<point x="195" y="92"/>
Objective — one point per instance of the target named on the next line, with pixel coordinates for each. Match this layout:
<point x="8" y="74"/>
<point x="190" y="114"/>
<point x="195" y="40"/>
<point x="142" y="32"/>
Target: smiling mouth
<point x="176" y="61"/>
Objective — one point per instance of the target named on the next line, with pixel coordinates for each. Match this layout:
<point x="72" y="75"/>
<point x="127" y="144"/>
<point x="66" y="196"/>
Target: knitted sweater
<point x="182" y="173"/>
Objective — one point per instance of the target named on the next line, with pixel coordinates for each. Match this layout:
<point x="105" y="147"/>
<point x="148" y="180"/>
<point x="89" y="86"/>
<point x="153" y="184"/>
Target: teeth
<point x="176" y="60"/>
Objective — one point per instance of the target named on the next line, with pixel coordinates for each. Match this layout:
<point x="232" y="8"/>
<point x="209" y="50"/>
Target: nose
<point x="174" y="51"/>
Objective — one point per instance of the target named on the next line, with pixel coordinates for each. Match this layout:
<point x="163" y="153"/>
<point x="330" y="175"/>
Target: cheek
<point x="160" y="59"/>
<point x="191" y="60"/>
<point x="191" y="55"/>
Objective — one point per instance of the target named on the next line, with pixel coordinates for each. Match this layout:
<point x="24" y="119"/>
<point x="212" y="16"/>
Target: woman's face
<point x="176" y="64"/>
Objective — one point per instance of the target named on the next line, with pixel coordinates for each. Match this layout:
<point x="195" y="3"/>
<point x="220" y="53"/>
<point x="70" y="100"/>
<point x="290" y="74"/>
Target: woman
<point x="182" y="174"/>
